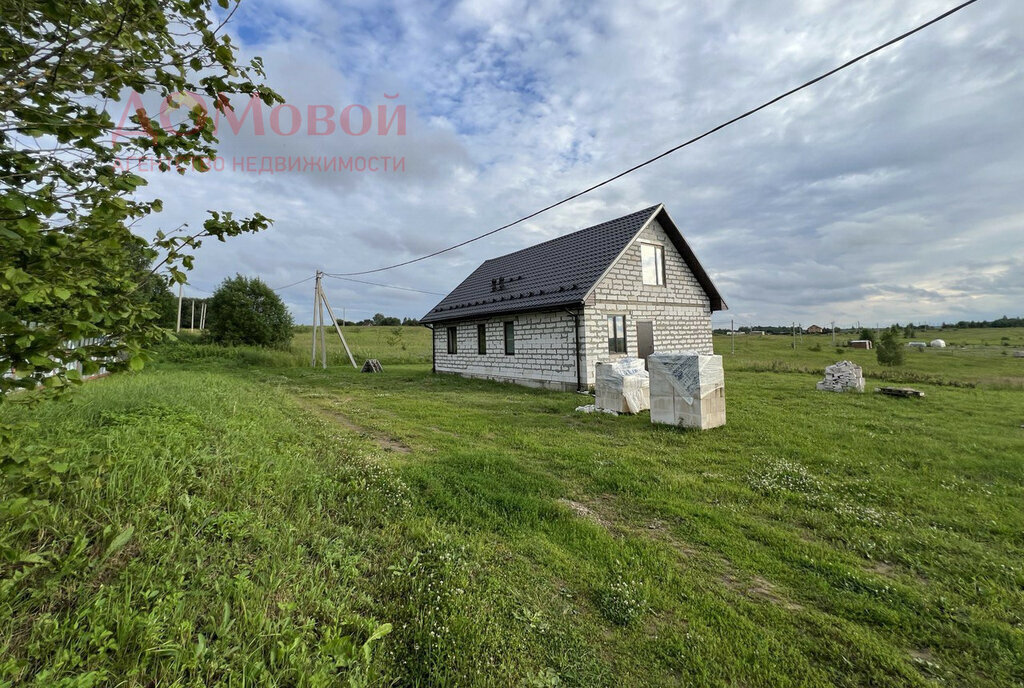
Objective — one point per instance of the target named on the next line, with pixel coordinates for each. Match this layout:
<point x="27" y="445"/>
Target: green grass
<point x="387" y="344"/>
<point x="281" y="514"/>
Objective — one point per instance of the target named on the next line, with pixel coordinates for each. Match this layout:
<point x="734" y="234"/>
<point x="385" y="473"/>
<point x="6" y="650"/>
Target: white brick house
<point x="543" y="316"/>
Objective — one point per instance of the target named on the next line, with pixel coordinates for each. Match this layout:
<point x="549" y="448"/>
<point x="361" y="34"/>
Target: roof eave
<point x="497" y="314"/>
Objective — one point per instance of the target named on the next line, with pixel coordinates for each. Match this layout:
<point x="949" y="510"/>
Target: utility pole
<point x="181" y="289"/>
<point x="337" y="327"/>
<point x="316" y="302"/>
<point x="732" y="327"/>
<point x="193" y="326"/>
<point x="323" y="334"/>
<point x="833" y="333"/>
<point x="202" y="317"/>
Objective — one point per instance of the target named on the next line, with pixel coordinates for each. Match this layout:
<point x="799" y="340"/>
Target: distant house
<point x="543" y="316"/>
<point x="814" y="329"/>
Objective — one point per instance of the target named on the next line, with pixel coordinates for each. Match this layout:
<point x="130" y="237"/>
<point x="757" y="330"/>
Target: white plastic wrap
<point x="692" y="375"/>
<point x="622" y="386"/>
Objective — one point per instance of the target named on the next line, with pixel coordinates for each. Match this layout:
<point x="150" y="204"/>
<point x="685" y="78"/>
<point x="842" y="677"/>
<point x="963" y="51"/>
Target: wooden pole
<point x="181" y="290"/>
<point x="316" y="301"/>
<point x="323" y="333"/>
<point x="193" y="325"/>
<point x="732" y="327"/>
<point x="338" y="327"/>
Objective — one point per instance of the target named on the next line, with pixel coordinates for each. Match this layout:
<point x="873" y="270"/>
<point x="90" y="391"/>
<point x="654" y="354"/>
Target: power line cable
<point x="389" y="286"/>
<point x="288" y="286"/>
<point x="707" y="133"/>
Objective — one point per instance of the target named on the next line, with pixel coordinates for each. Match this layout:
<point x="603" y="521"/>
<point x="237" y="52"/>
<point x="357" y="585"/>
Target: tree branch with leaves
<point x="67" y="207"/>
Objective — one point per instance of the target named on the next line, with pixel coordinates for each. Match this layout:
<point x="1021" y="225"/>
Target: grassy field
<point x="973" y="356"/>
<point x="242" y="520"/>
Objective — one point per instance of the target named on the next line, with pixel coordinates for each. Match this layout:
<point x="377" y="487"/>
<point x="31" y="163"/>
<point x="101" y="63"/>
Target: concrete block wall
<point x="545" y="350"/>
<point x="680" y="310"/>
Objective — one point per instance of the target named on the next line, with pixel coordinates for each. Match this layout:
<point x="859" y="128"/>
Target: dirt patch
<point x="759" y="589"/>
<point x="585" y="512"/>
<point x="383" y="441"/>
<point x="882" y="568"/>
<point x="926" y="662"/>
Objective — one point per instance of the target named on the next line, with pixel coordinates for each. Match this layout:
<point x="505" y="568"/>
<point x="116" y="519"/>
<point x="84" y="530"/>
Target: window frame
<point x="613" y="337"/>
<point x="659" y="264"/>
<point x="481" y="339"/>
<point x="453" y="340"/>
<point x="509" y="327"/>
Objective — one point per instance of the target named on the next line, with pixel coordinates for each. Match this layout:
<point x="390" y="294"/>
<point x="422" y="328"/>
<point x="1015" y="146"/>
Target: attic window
<point x="652" y="257"/>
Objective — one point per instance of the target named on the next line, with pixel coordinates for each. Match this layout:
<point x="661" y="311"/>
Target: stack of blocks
<point x="621" y="386"/>
<point x="844" y="376"/>
<point x="687" y="389"/>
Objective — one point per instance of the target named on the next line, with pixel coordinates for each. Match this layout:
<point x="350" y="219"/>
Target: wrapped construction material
<point x="844" y="376"/>
<point x="937" y="343"/>
<point x="687" y="389"/>
<point x="622" y="386"/>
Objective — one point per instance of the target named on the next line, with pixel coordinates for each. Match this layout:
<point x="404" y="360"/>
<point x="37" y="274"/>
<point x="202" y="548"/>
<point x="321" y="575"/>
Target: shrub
<point x="868" y="334"/>
<point x="247" y="311"/>
<point x="888" y="350"/>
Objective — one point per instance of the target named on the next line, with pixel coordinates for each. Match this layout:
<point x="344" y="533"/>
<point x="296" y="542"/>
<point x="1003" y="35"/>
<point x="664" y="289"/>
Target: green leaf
<point x="119" y="542"/>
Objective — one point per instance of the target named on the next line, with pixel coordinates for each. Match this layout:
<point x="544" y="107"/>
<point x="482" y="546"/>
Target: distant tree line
<point x="381" y="320"/>
<point x="999" y="322"/>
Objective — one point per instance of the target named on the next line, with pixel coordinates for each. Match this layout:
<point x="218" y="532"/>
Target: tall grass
<point x="203" y="533"/>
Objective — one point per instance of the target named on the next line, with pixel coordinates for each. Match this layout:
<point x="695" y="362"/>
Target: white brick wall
<point x="680" y="310"/>
<point x="545" y="350"/>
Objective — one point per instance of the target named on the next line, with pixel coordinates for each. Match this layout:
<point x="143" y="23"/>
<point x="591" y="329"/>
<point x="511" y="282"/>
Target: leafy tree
<point x="247" y="311"/>
<point x="382" y="320"/>
<point x="66" y="202"/>
<point x="868" y="334"/>
<point x="889" y="351"/>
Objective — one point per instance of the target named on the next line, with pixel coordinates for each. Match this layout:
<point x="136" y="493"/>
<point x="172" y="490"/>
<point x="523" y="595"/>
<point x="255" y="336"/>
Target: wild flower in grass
<point x="622" y="601"/>
<point x="776" y="476"/>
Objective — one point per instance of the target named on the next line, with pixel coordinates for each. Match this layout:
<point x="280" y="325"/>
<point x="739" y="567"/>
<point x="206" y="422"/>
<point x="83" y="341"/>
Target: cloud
<point x="890" y="192"/>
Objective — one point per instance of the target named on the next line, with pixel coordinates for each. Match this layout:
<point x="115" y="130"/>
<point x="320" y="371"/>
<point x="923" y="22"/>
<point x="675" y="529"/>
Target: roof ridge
<point x="578" y="231"/>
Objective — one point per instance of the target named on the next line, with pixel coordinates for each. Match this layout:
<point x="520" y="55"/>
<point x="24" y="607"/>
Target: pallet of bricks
<point x="844" y="376"/>
<point x="687" y="389"/>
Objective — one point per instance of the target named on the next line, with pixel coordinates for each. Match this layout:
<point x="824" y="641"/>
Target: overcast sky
<point x="894" y="191"/>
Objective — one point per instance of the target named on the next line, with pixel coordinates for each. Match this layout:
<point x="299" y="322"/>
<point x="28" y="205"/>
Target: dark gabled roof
<point x="557" y="273"/>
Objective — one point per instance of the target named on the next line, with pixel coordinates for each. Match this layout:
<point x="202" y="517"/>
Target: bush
<point x="247" y="311"/>
<point x="867" y="334"/>
<point x="888" y="350"/>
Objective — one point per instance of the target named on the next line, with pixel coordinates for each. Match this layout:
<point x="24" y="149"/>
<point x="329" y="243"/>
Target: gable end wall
<point x="680" y="310"/>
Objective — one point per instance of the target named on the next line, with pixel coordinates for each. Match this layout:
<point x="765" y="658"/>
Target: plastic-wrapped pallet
<point x="687" y="389"/>
<point x="622" y="386"/>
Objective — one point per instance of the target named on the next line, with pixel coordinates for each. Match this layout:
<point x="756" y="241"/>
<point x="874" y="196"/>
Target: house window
<point x="453" y="340"/>
<point x="653" y="258"/>
<point x="510" y="338"/>
<point x="616" y="334"/>
<point x="481" y="339"/>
